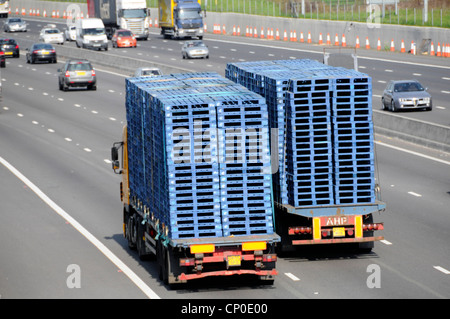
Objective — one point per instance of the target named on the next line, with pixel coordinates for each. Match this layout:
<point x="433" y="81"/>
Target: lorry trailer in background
<point x="131" y="15"/>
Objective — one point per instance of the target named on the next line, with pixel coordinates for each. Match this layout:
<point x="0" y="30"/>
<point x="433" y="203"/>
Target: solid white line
<point x="386" y="242"/>
<point x="293" y="277"/>
<point x="445" y="271"/>
<point x="413" y="153"/>
<point x="113" y="258"/>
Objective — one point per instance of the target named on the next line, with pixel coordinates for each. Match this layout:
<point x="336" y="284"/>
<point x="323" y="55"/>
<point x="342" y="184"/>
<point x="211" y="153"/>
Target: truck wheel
<point x="130" y="230"/>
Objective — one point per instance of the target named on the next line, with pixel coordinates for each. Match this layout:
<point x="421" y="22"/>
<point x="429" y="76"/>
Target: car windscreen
<point x="94" y="31"/>
<point x="14" y="20"/>
<point x="189" y="14"/>
<point x="150" y="72"/>
<point x="124" y="34"/>
<point x="42" y="46"/>
<point x="52" y="31"/>
<point x="408" y="87"/>
<point x="79" y="67"/>
<point x="7" y="41"/>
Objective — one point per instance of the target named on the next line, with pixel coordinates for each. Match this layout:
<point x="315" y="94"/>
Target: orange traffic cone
<point x="357" y="42"/>
<point x="438" y="51"/>
<point x="344" y="42"/>
<point x="328" y="39"/>
<point x="336" y="40"/>
<point x="367" y="43"/>
<point x="432" y="49"/>
<point x="277" y="35"/>
<point x="402" y="48"/>
<point x="379" y="45"/>
<point x="309" y="37"/>
<point x="392" y="45"/>
<point x="413" y="48"/>
<point x="320" y="38"/>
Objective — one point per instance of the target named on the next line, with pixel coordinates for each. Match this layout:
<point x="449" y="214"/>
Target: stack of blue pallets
<point x="185" y="170"/>
<point x="324" y="125"/>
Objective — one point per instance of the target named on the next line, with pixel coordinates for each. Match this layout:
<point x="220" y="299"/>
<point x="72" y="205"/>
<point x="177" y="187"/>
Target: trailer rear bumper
<point x="336" y="240"/>
<point x="262" y="273"/>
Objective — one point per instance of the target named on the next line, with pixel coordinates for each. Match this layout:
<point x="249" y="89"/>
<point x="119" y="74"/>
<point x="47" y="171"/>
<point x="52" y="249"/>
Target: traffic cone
<point x="156" y="22"/>
<point x="238" y="31"/>
<point x="295" y="36"/>
<point x="413" y="48"/>
<point x="367" y="43"/>
<point x="255" y="33"/>
<point x="234" y="29"/>
<point x="262" y="33"/>
<point x="277" y="35"/>
<point x="402" y="48"/>
<point x="301" y="37"/>
<point x="344" y="41"/>
<point x="64" y="15"/>
<point x="320" y="38"/>
<point x="328" y="39"/>
<point x="438" y="51"/>
<point x="285" y="38"/>
<point x="357" y="42"/>
<point x="247" y="33"/>
<point x="271" y="34"/>
<point x="251" y="33"/>
<point x="392" y="45"/>
<point x="336" y="40"/>
<point x="432" y="49"/>
<point x="44" y="13"/>
<point x="37" y="13"/>
<point x="223" y="29"/>
<point x="17" y="11"/>
<point x="309" y="37"/>
<point x="379" y="45"/>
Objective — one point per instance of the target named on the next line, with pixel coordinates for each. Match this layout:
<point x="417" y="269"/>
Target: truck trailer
<point x="196" y="189"/>
<point x="131" y="15"/>
<point x="324" y="178"/>
<point x="180" y="18"/>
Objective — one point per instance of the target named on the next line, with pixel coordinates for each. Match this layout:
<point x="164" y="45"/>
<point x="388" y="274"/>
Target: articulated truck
<point x="132" y="15"/>
<point x="180" y="18"/>
<point x="196" y="181"/>
<point x="324" y="184"/>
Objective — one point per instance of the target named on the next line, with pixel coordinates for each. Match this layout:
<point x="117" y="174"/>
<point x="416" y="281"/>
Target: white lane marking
<point x="51" y="130"/>
<point x="107" y="161"/>
<point x="444" y="78"/>
<point x="387" y="70"/>
<point x="446" y="92"/>
<point x="417" y="74"/>
<point x="376" y="95"/>
<point x="291" y="276"/>
<point x="384" y="241"/>
<point x="413" y="153"/>
<point x="112" y="119"/>
<point x="19" y="114"/>
<point x="99" y="245"/>
<point x="87" y="149"/>
<point x="414" y="194"/>
<point x="68" y="139"/>
<point x="381" y="81"/>
<point x="445" y="271"/>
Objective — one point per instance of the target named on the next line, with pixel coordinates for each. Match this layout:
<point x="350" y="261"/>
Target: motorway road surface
<point x="61" y="212"/>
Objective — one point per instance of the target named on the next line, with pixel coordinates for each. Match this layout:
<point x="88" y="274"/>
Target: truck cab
<point x="181" y="19"/>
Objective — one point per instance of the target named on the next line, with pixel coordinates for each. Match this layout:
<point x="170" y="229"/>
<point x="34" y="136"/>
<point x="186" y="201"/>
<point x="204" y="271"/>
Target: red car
<point x="123" y="39"/>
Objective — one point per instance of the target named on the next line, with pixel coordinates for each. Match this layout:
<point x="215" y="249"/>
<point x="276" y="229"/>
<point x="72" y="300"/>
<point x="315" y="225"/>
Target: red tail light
<point x="93" y="72"/>
<point x="35" y="51"/>
<point x="17" y="46"/>
<point x="67" y="74"/>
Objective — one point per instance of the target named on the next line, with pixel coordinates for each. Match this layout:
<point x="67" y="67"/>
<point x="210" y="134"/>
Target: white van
<point x="90" y="33"/>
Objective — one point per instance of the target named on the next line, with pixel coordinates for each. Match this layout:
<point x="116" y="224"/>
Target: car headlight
<point x="181" y="31"/>
<point x="402" y="100"/>
<point x="200" y="31"/>
<point x="426" y="99"/>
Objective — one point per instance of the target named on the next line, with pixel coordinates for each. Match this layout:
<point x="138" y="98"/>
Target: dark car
<point x="77" y="73"/>
<point x="404" y="95"/>
<point x="41" y="52"/>
<point x="10" y="47"/>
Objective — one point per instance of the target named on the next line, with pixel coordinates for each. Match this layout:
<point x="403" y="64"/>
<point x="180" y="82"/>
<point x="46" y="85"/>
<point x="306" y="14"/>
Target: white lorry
<point x="131" y="15"/>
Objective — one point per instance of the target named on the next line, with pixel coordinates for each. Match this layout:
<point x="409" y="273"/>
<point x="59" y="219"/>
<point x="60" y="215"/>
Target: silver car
<point x="404" y="95"/>
<point x="14" y="25"/>
<point x="77" y="73"/>
<point x="194" y="49"/>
